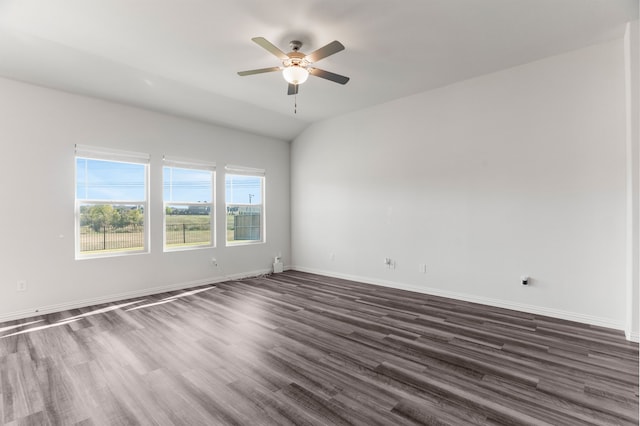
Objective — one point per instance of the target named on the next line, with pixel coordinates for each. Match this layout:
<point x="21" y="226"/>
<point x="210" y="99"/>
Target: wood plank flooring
<point x="302" y="349"/>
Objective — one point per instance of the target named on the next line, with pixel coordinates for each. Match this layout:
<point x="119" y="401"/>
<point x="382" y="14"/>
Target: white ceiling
<point x="181" y="56"/>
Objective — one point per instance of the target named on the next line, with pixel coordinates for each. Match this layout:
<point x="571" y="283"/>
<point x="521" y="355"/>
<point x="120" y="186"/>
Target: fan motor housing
<point x="296" y="59"/>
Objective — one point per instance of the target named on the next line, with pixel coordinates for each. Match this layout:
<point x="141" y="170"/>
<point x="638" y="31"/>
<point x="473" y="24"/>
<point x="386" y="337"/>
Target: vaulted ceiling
<point x="181" y="56"/>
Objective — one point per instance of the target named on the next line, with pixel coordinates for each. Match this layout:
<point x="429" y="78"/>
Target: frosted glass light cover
<point x="295" y="74"/>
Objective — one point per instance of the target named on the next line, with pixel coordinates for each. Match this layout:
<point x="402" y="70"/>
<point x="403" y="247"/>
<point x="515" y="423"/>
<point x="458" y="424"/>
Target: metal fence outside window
<point x="131" y="237"/>
<point x="187" y="233"/>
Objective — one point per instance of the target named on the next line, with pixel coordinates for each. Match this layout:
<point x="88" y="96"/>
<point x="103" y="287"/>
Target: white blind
<point x="241" y="170"/>
<point x="185" y="163"/>
<point x="100" y="153"/>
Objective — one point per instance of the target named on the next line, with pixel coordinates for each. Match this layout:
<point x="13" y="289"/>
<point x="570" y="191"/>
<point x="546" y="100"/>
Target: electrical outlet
<point x="423" y="268"/>
<point x="332" y="256"/>
<point x="22" y="285"/>
<point x="214" y="262"/>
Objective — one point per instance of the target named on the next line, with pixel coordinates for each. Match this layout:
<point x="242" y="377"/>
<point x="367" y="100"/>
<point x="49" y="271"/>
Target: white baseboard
<point x="632" y="336"/>
<point x="570" y="316"/>
<point x="43" y="310"/>
<point x="538" y="310"/>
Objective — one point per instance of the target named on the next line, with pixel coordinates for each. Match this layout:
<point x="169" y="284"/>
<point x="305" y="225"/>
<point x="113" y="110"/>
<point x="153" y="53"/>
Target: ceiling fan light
<point x="295" y="74"/>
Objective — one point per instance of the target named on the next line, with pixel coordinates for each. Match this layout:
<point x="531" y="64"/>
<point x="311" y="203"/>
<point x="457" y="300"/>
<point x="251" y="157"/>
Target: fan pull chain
<point x="295" y="104"/>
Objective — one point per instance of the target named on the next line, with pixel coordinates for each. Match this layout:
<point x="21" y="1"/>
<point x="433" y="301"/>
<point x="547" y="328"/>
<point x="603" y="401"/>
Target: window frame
<point x="233" y="170"/>
<point x="114" y="156"/>
<point x="181" y="163"/>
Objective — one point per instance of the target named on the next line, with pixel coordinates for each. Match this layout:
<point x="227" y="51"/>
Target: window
<point x="244" y="197"/>
<point x="188" y="204"/>
<point x="111" y="202"/>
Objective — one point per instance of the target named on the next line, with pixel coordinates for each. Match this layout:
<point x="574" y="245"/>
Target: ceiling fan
<point x="296" y="66"/>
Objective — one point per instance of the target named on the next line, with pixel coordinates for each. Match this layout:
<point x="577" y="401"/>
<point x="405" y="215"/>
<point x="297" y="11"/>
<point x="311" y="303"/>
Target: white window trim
<point x="241" y="170"/>
<point x="186" y="163"/>
<point x="110" y="154"/>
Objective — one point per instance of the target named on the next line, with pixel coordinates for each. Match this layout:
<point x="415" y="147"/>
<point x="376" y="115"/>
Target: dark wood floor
<point x="301" y="349"/>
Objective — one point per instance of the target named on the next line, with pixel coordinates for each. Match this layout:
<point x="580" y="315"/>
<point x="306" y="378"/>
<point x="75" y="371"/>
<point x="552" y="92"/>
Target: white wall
<point x="632" y="68"/>
<point x="39" y="128"/>
<point x="516" y="172"/>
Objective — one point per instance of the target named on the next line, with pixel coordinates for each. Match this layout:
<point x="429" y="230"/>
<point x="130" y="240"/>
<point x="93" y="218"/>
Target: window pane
<point x="188" y="212"/>
<point x="187" y="185"/>
<point x="111" y="202"/>
<point x="241" y="189"/>
<point x="244" y="208"/>
<point x="187" y="225"/>
<point x="108" y="228"/>
<point x="110" y="180"/>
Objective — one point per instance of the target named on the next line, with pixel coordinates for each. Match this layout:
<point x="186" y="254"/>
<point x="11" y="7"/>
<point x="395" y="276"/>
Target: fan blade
<point x="293" y="89"/>
<point x="267" y="45"/>
<point x="337" y="78"/>
<point x="259" y="71"/>
<point x="323" y="52"/>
